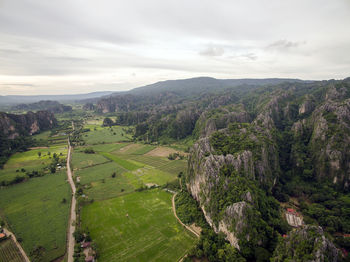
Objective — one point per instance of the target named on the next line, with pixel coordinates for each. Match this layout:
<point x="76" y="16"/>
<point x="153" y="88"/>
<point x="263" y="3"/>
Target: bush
<point x="89" y="151"/>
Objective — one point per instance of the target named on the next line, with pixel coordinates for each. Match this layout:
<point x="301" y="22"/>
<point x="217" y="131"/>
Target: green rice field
<point x="137" y="227"/>
<point x="36" y="214"/>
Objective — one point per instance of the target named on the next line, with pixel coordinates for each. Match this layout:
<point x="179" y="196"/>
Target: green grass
<point x="109" y="188"/>
<point x="127" y="164"/>
<point x="143" y="150"/>
<point x="99" y="183"/>
<point x="105" y="147"/>
<point x="82" y="160"/>
<point x="148" y="160"/>
<point x="99" y="172"/>
<point x="42" y="136"/>
<point x="104" y="135"/>
<point x="135" y="149"/>
<point x="174" y="167"/>
<point x="149" y="233"/>
<point x="34" y="211"/>
<point x="9" y="252"/>
<point x="30" y="161"/>
<point x="18" y="159"/>
<point x="149" y="175"/>
<point x="161" y="163"/>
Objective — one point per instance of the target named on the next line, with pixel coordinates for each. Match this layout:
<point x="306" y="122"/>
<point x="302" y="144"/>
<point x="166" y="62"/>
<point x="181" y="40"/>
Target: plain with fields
<point x="137" y="227"/>
<point x="37" y="214"/>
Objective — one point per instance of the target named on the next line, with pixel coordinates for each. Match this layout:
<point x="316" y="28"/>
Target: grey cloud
<point x="212" y="51"/>
<point x="251" y="56"/>
<point x="156" y="39"/>
<point x="284" y="45"/>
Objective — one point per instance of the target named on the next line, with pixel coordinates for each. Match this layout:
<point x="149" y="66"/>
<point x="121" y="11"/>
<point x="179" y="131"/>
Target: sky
<point x="80" y="46"/>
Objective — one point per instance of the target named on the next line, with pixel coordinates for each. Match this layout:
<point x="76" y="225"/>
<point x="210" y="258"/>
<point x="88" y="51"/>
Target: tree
<point x="113" y="175"/>
<point x="108" y="122"/>
<point x="52" y="169"/>
<point x="39" y="154"/>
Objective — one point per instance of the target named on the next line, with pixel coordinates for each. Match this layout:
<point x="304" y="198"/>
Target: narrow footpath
<point x="72" y="219"/>
<point x="174" y="211"/>
<point x="9" y="233"/>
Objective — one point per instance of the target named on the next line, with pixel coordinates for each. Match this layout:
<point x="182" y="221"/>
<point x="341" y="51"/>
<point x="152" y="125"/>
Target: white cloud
<point x="66" y="46"/>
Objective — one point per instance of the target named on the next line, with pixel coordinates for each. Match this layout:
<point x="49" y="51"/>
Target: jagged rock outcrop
<point x="307" y="243"/>
<point x="294" y="220"/>
<point x="89" y="106"/>
<point x="12" y="126"/>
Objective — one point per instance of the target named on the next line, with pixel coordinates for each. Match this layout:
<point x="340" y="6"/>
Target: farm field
<point x="133" y="168"/>
<point x="105" y="147"/>
<point x="35" y="212"/>
<point x="98" y="134"/>
<point x="9" y="252"/>
<point x="150" y="232"/>
<point x="20" y="163"/>
<point x="82" y="160"/>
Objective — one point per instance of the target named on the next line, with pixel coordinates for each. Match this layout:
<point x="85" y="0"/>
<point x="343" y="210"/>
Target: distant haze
<point x="80" y="46"/>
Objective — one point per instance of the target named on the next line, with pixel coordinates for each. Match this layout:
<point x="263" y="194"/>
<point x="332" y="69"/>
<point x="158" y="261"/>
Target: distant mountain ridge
<point x="203" y="84"/>
<point x="173" y="91"/>
<point x="10" y="100"/>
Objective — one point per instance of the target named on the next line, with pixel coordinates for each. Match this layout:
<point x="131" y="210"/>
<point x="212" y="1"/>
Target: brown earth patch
<point x="161" y="152"/>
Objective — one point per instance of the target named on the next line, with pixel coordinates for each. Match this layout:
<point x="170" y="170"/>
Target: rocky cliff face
<point x="303" y="131"/>
<point x="12" y="125"/>
<point x="305" y="244"/>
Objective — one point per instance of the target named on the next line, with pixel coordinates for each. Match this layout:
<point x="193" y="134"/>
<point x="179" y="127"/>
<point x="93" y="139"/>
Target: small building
<point x="2" y="236"/>
<point x="85" y="244"/>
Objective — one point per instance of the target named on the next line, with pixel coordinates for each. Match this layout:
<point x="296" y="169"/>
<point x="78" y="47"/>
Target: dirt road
<point x="174" y="211"/>
<point x="9" y="233"/>
<point x="71" y="222"/>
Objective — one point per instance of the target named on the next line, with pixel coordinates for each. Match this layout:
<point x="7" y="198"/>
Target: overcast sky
<point x="79" y="46"/>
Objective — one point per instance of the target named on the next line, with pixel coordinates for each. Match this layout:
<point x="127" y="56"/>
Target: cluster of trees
<point x="11" y="146"/>
<point x="89" y="150"/>
<point x="108" y="122"/>
<point x="81" y="237"/>
<point x="212" y="246"/>
<point x="174" y="156"/>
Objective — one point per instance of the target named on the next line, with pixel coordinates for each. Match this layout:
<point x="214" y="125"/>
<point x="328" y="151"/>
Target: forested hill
<point x="52" y="106"/>
<point x="257" y="151"/>
<point x="172" y="92"/>
<point x="200" y="85"/>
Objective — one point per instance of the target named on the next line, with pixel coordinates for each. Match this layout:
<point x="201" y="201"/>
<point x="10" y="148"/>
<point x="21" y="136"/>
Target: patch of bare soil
<point x="161" y="152"/>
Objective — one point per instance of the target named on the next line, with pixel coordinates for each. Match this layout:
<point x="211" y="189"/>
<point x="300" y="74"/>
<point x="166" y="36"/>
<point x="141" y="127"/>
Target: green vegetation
<point x="187" y="209"/>
<point x="82" y="160"/>
<point x="129" y="165"/>
<point x="9" y="251"/>
<point x="36" y="215"/>
<point x="98" y="135"/>
<point x="136" y="227"/>
<point x="32" y="163"/>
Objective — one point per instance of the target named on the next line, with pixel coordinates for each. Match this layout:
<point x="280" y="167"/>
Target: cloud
<point x="284" y="44"/>
<point x="63" y="45"/>
<point x="212" y="51"/>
